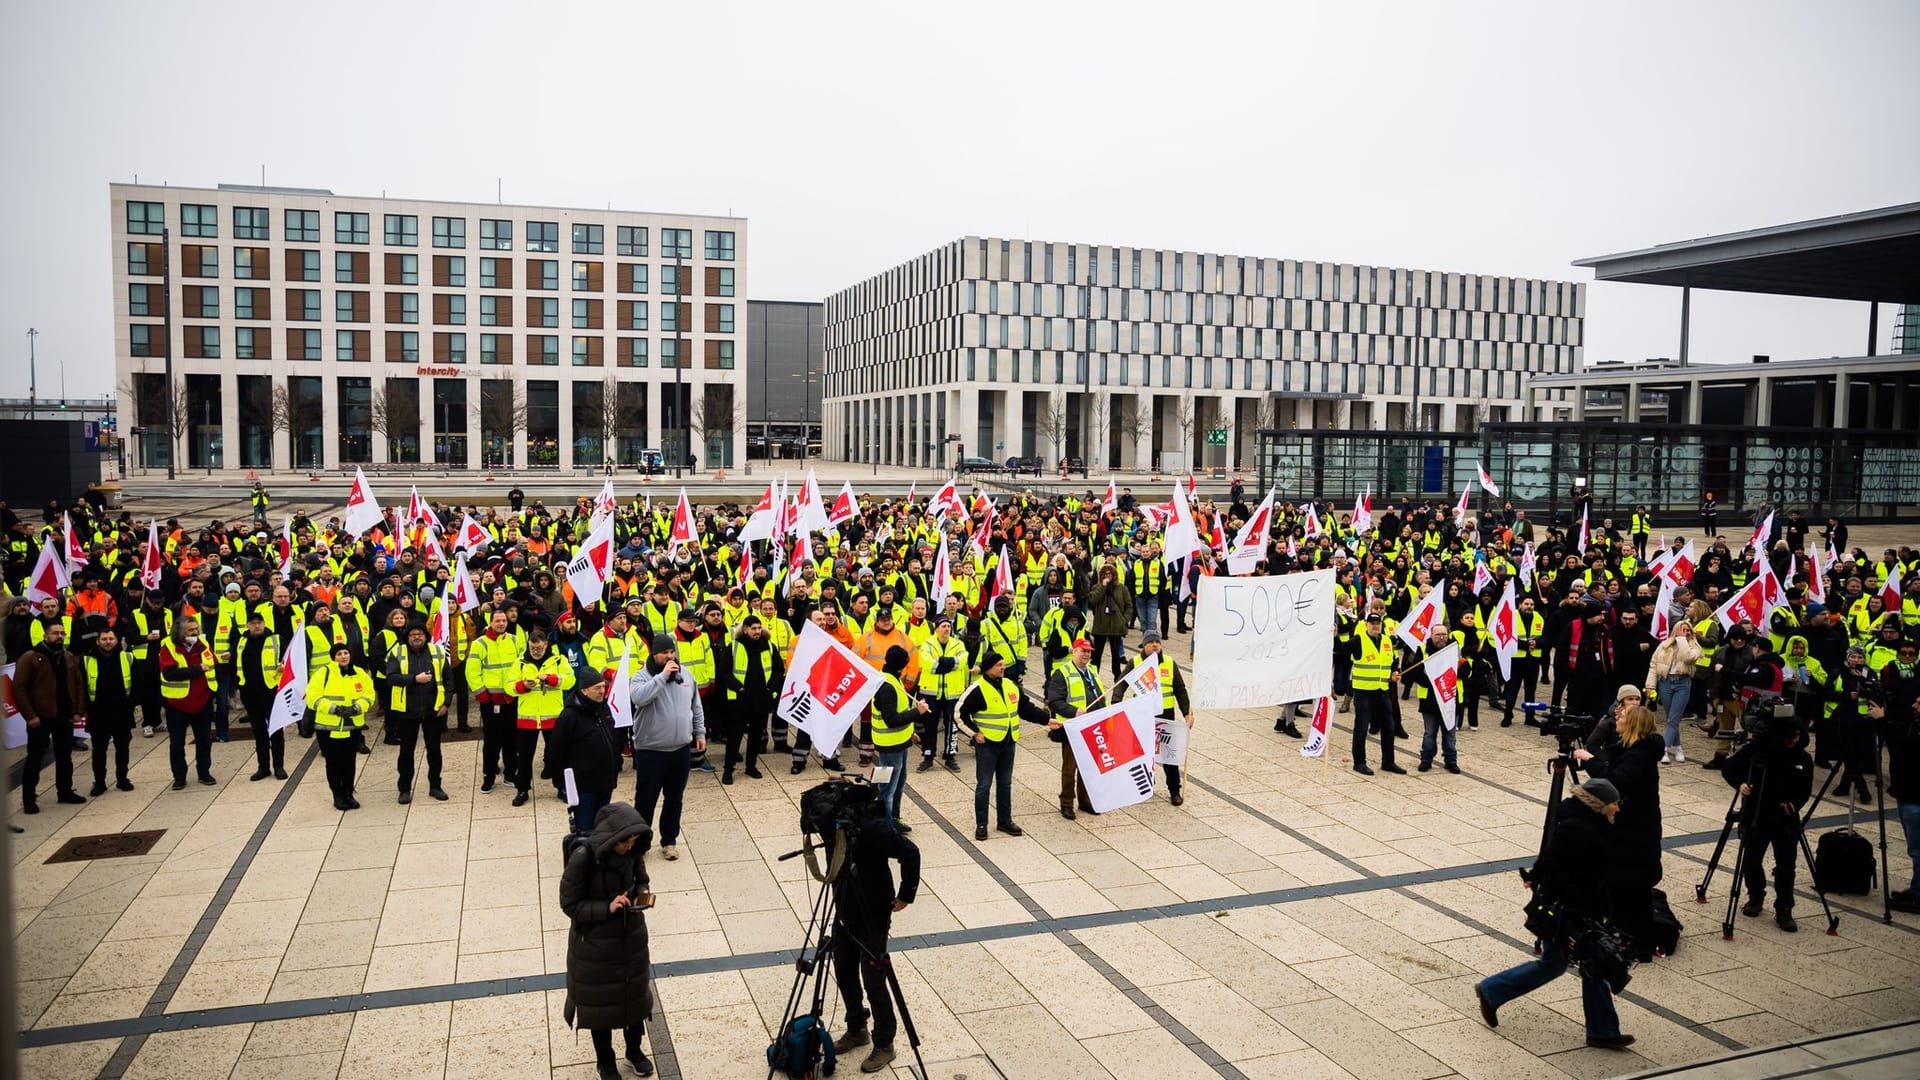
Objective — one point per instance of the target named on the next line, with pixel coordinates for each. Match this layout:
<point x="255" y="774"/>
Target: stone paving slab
<point x="1292" y="919"/>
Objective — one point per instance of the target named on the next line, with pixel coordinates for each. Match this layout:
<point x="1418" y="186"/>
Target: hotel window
<point x="676" y="243"/>
<point x="450" y="271"/>
<point x="146" y="218"/>
<point x="720" y="245"/>
<point x="199" y="219"/>
<point x="719" y="318"/>
<point x="720" y="355"/>
<point x="721" y="280"/>
<point x="543" y="236"/>
<point x="580" y="315"/>
<point x="243" y="344"/>
<point x="670" y="317"/>
<point x="496" y="273"/>
<point x="449" y="310"/>
<point x="496" y="349"/>
<point x="143" y="259"/>
<point x="303" y="226"/>
<point x="405" y="269"/>
<point x="633" y="352"/>
<point x="450" y="348"/>
<point x="349" y="228"/>
<point x="139" y="300"/>
<point x="630" y="240"/>
<point x="203" y="342"/>
<point x="544" y="349"/>
<point x="543" y="311"/>
<point x="490" y="310"/>
<point x="344" y="270"/>
<point x="587" y="277"/>
<point x="140" y="339"/>
<point x="669" y="353"/>
<point x="303" y="344"/>
<point x="403" y="230"/>
<point x="303" y="305"/>
<point x="449" y="232"/>
<point x="349" y="305"/>
<point x="303" y="266"/>
<point x="589" y="239"/>
<point x="199" y="260"/>
<point x="543" y="274"/>
<point x="635" y="315"/>
<point x="250" y="223"/>
<point x="409" y="308"/>
<point x="496" y="235"/>
<point x="247" y="303"/>
<point x="670" y="281"/>
<point x="637" y="276"/>
<point x="250" y="264"/>
<point x="403" y="346"/>
<point x="587" y="352"/>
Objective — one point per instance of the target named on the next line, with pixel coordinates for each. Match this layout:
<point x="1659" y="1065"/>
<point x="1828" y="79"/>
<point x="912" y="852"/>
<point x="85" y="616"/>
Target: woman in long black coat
<point x="603" y="891"/>
<point x="1633" y="844"/>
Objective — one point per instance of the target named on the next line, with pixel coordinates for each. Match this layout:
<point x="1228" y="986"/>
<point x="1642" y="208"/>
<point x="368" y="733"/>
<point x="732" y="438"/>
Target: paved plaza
<point x="1293" y="920"/>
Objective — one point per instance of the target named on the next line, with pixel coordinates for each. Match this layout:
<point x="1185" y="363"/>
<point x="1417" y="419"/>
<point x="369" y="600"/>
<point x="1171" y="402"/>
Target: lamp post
<point x="166" y="346"/>
<point x="680" y="347"/>
<point x="1086" y="377"/>
<point x="33" y="377"/>
<point x="1420" y="362"/>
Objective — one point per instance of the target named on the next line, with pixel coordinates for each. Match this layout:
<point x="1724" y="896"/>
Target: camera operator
<point x="1632" y="763"/>
<point x="609" y="968"/>
<point x="864" y="903"/>
<point x="1779" y="748"/>
<point x="1856" y="694"/>
<point x="1569" y="874"/>
<point x="1590" y="657"/>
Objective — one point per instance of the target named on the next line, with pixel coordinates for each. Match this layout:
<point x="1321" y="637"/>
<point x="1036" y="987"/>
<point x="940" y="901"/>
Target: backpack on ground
<point x="803" y="1049"/>
<point x="1665" y="928"/>
<point x="1843" y="862"/>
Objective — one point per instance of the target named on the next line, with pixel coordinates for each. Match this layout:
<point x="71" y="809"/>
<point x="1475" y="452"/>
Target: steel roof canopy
<point x="1872" y="255"/>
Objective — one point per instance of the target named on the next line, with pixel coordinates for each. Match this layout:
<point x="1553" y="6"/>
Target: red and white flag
<point x="1182" y="535"/>
<point x="471" y="538"/>
<point x="1890" y="592"/>
<point x="682" y="530"/>
<point x="942" y="576"/>
<point x="1486" y="480"/>
<point x="419" y="511"/>
<point x="911" y="488"/>
<point x="1817" y="576"/>
<point x="810" y="511"/>
<point x="945" y="502"/>
<point x="1581" y="546"/>
<point x="49" y="577"/>
<point x="1111" y="503"/>
<point x="1424" y="616"/>
<point x="620" y="692"/>
<point x="1482" y="577"/>
<point x="1771" y="592"/>
<point x="746" y="566"/>
<point x="1001" y="584"/>
<point x="588" y="571"/>
<point x="1363" y="512"/>
<point x="1218" y="541"/>
<point x="1527" y="566"/>
<point x="845" y="507"/>
<point x="1749" y="604"/>
<point x="802" y="556"/>
<point x="1503" y="628"/>
<point x="286" y="549"/>
<point x="1313" y="522"/>
<point x="1758" y="541"/>
<point x="1250" y="543"/>
<point x="1316" y="744"/>
<point x="1144" y="679"/>
<point x="827" y="686"/>
<point x="290" y="697"/>
<point x="150" y="558"/>
<point x="76" y="551"/>
<point x="1679" y="565"/>
<point x="1114" y="749"/>
<point x="1443" y="677"/>
<point x="1663" y="611"/>
<point x="1193" y="486"/>
<point x="460" y="590"/>
<point x="1460" y="509"/>
<point x="363" y="510"/>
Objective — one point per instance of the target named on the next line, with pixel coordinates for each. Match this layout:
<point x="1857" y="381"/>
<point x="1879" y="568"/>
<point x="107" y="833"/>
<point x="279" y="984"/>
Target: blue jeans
<point x="1436" y="731"/>
<point x="1674" y="693"/>
<point x="1147" y="610"/>
<point x="591" y="803"/>
<point x="1910" y="822"/>
<point x="1602" y="1021"/>
<point x="896" y="785"/>
<point x="993" y="761"/>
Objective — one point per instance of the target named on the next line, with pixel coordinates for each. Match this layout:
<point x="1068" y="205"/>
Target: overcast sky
<point x="1491" y="138"/>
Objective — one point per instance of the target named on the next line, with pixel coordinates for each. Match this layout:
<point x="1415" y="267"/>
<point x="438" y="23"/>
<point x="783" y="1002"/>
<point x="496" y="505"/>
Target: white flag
<point x="1420" y="621"/>
<point x="1250" y="543"/>
<point x="1111" y="503"/>
<point x="471" y="538"/>
<point x="1182" y="536"/>
<point x="1460" y="509"/>
<point x="1663" y="611"/>
<point x="1504" y="628"/>
<point x="1443" y="675"/>
<point x="845" y="507"/>
<point x="620" y="693"/>
<point x="761" y="519"/>
<point x="812" y="511"/>
<point x="1486" y="480"/>
<point x="363" y="510"/>
<point x="290" y="697"/>
<point x="682" y="530"/>
<point x="1114" y="748"/>
<point x="588" y="570"/>
<point x="150" y="558"/>
<point x="942" y="576"/>
<point x="49" y="575"/>
<point x="1316" y="744"/>
<point x="286" y="549"/>
<point x="827" y="686"/>
<point x="76" y="552"/>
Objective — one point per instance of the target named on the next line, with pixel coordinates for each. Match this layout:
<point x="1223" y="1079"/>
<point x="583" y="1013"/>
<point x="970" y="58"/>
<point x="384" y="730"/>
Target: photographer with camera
<point x="1857" y="694"/>
<point x="603" y="892"/>
<point x="1632" y="763"/>
<point x="1570" y="893"/>
<point x="864" y="904"/>
<point x="1776" y="750"/>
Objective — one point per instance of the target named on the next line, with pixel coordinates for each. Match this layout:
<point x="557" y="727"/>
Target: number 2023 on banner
<point x="1264" y="640"/>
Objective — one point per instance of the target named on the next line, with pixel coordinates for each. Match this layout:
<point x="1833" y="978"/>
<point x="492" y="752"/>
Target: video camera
<point x="1568" y="728"/>
<point x="1761" y="722"/>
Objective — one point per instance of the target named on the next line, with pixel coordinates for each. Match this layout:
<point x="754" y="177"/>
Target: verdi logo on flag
<point x="1110" y="743"/>
<point x="827" y="685"/>
<point x="1316" y="744"/>
<point x="1114" y="748"/>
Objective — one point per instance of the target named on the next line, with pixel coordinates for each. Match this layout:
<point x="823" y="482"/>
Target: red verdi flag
<point x="1316" y="744"/>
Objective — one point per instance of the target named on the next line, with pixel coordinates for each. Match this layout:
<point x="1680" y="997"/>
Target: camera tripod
<point x="1880" y="790"/>
<point x="814" y="964"/>
<point x="1736" y="809"/>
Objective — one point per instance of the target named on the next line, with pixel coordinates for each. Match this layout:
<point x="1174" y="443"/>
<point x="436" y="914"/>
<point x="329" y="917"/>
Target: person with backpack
<point x="603" y="892"/>
<point x="584" y="739"/>
<point x="864" y="904"/>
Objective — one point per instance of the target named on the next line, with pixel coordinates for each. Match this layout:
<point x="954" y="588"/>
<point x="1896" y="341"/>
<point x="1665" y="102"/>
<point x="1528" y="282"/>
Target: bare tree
<point x="1099" y="421"/>
<point x="294" y="414"/>
<point x="1050" y="426"/>
<point x="1140" y="428"/>
<point x="395" y="413"/>
<point x="147" y="395"/>
<point x="1267" y="413"/>
<point x="1183" y="421"/>
<point x="501" y="414"/>
<point x="720" y="412"/>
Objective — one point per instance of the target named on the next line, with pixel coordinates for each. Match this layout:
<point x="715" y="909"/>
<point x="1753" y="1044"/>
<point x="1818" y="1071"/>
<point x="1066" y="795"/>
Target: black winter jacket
<point x="608" y="964"/>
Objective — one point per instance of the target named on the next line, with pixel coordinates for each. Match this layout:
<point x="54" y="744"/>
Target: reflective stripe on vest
<point x="93" y="674"/>
<point x="177" y="691"/>
<point x="1375" y="664"/>
<point x="884" y="736"/>
<point x="1000" y="719"/>
<point x="1076" y="680"/>
<point x="740" y="665"/>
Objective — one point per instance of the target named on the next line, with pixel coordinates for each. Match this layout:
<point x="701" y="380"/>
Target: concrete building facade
<point x="1136" y="357"/>
<point x="316" y="331"/>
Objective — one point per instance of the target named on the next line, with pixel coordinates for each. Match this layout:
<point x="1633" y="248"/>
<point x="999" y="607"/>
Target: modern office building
<point x="1131" y="357"/>
<point x="786" y="363"/>
<point x="309" y="330"/>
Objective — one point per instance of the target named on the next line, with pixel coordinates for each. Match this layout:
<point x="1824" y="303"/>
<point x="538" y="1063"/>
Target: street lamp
<point x="680" y="346"/>
<point x="1420" y="363"/>
<point x="33" y="377"/>
<point x="1086" y="378"/>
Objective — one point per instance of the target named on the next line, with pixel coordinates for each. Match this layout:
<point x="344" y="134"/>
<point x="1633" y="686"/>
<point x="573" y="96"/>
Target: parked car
<point x="652" y="463"/>
<point x="1018" y="465"/>
<point x="978" y="465"/>
<point x="1071" y="464"/>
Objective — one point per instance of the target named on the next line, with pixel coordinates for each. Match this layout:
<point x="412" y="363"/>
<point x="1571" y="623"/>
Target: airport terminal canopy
<point x="1873" y="255"/>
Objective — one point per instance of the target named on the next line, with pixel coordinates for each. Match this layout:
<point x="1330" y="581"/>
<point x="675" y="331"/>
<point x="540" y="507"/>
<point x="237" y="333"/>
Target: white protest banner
<point x="1170" y="738"/>
<point x="1114" y="749"/>
<point x="1263" y="640"/>
<point x="290" y="698"/>
<point x="827" y="686"/>
<point x="13" y="726"/>
<point x="620" y="691"/>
